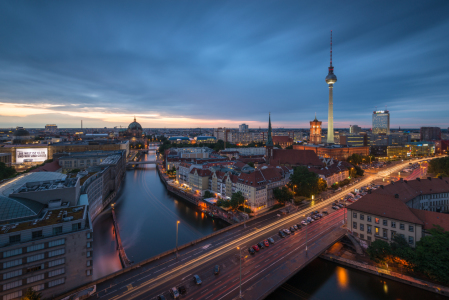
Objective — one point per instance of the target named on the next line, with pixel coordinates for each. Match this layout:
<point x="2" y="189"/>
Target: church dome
<point x="134" y="125"/>
<point x="21" y="132"/>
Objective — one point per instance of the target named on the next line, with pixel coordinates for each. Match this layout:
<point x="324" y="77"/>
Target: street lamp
<point x="177" y="223"/>
<point x="240" y="257"/>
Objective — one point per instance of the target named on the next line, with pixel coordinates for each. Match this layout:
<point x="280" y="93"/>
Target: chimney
<point x="396" y="196"/>
<point x="419" y="179"/>
<point x="430" y="178"/>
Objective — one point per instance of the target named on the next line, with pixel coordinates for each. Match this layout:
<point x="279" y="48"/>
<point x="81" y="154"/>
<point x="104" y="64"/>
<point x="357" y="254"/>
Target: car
<point x="261" y="246"/>
<point x="174" y="293"/>
<point x="182" y="290"/>
<point x="281" y="234"/>
<point x="266" y="243"/>
<point x="335" y="207"/>
<point x="340" y="205"/>
<point x="271" y="240"/>
<point x="197" y="280"/>
<point x="351" y="201"/>
<point x="295" y="226"/>
<point x="325" y="212"/>
<point x="292" y="229"/>
<point x="161" y="297"/>
<point x="304" y="222"/>
<point x="251" y="251"/>
<point x="316" y="212"/>
<point x="299" y="226"/>
<point x="316" y="217"/>
<point x="256" y="248"/>
<point x="287" y="231"/>
<point x="217" y="269"/>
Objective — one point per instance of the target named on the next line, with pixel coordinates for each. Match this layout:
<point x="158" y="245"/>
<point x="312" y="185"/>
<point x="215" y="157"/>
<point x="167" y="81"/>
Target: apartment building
<point x="334" y="173"/>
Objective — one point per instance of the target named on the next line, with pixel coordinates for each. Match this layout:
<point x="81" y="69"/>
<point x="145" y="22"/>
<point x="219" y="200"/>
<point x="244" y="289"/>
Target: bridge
<point x="254" y="276"/>
<point x="146" y="162"/>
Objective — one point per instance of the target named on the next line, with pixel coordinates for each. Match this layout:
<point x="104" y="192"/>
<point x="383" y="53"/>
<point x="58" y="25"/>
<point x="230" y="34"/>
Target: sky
<point x="222" y="63"/>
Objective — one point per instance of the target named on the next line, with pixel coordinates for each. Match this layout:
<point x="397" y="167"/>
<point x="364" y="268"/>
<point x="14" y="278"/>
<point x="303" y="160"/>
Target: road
<point x="156" y="278"/>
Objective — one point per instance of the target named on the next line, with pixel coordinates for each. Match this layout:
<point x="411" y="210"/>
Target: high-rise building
<point x="315" y="131"/>
<point x="243" y="128"/>
<point x="51" y="128"/>
<point x="354" y="129"/>
<point x="381" y="122"/>
<point x="330" y="80"/>
<point x="430" y="133"/>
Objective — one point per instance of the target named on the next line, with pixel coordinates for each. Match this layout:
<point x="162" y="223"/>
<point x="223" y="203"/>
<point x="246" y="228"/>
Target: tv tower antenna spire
<point x="331" y="48"/>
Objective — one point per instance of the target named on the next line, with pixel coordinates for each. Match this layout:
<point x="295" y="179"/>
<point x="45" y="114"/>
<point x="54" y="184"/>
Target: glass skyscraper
<point x="381" y="122"/>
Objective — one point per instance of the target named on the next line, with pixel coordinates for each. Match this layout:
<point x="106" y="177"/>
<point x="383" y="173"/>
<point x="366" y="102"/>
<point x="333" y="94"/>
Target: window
<point x="362" y="236"/>
<point x="56" y="282"/>
<point x="410" y="228"/>
<point x="393" y="234"/>
<point x="11" y="285"/>
<point x="39" y="287"/>
<point x="385" y="222"/>
<point x="362" y="227"/>
<point x="368" y="218"/>
<point x="12" y="252"/>
<point x="89" y="272"/>
<point x="362" y="217"/>
<point x="35" y="278"/>
<point x="56" y="272"/>
<point x="36" y="234"/>
<point x="410" y="240"/>
<point x="14" y="238"/>
<point x="89" y="235"/>
<point x="89" y="263"/>
<point x="56" y="252"/>
<point x="376" y="220"/>
<point x="354" y="225"/>
<point x="368" y="228"/>
<point x="401" y="226"/>
<point x="56" y="262"/>
<point x="76" y="226"/>
<point x="393" y="224"/>
<point x="56" y="243"/>
<point x="369" y="238"/>
<point x="12" y="263"/>
<point x="354" y="215"/>
<point x="13" y="295"/>
<point x="89" y="244"/>
<point x="385" y="233"/>
<point x="12" y="274"/>
<point x="35" y="268"/>
<point x="88" y="253"/>
<point x="376" y="230"/>
<point x="35" y="257"/>
<point x="57" y="230"/>
<point x="35" y="247"/>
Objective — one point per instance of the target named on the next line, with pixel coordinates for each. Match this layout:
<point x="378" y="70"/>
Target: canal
<point x="147" y="217"/>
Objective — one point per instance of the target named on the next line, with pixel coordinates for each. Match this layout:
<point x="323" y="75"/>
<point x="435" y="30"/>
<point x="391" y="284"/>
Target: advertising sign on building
<point x="31" y="155"/>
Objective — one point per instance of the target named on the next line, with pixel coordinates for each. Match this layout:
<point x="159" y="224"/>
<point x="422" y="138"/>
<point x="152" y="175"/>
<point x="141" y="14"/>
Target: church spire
<point x="134" y="118"/>
<point x="269" y="137"/>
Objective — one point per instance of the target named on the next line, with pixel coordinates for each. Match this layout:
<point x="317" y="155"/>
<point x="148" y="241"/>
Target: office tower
<point x="381" y="122"/>
<point x="430" y="133"/>
<point x="354" y="129"/>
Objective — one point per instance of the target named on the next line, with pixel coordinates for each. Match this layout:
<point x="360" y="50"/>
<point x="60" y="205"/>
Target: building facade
<point x="315" y="131"/>
<point x="430" y="133"/>
<point x="381" y="122"/>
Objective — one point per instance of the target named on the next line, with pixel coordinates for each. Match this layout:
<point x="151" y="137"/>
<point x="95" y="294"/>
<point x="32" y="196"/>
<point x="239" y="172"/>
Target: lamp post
<point x="240" y="258"/>
<point x="177" y="223"/>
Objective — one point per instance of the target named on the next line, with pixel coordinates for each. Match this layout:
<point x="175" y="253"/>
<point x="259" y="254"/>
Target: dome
<point x="134" y="125"/>
<point x="21" y="132"/>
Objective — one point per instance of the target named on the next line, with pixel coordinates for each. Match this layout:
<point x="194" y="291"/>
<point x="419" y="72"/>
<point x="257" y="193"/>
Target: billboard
<point x="31" y="155"/>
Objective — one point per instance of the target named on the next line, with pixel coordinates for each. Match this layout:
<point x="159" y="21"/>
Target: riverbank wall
<point x="383" y="273"/>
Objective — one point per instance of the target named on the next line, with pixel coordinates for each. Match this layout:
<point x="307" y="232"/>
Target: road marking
<point x="204" y="291"/>
<point x="209" y="296"/>
<point x="222" y="287"/>
<point x="267" y="260"/>
<point x="159" y="270"/>
<point x="186" y="258"/>
<point x="143" y="277"/>
<point x="172" y="264"/>
<point x="218" y="282"/>
<point x="235" y="279"/>
<point x="109" y="293"/>
<point x="256" y="266"/>
<point x="186" y="277"/>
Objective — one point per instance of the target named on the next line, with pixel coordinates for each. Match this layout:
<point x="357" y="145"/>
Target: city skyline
<point x="211" y="64"/>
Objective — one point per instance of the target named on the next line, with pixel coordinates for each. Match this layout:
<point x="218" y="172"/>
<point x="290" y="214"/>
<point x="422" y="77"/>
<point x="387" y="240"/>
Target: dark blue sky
<point x="220" y="63"/>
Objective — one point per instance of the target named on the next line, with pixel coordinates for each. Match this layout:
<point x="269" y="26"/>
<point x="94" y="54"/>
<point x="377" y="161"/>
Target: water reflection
<point x="342" y="277"/>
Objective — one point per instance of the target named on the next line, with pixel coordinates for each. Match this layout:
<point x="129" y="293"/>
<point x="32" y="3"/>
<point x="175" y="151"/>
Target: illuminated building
<point x="315" y="131"/>
<point x="381" y="122"/>
<point x="135" y="135"/>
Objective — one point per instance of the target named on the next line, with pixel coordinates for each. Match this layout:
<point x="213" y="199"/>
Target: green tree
<point x="208" y="194"/>
<point x="251" y="164"/>
<point x="5" y="171"/>
<point x="30" y="294"/>
<point x="283" y="194"/>
<point x="439" y="166"/>
<point x="307" y="183"/>
<point x="237" y="199"/>
<point x="379" y="251"/>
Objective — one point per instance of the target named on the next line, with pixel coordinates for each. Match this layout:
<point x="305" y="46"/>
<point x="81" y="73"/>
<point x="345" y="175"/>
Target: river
<point x="147" y="217"/>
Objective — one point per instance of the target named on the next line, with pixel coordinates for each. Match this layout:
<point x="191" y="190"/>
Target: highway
<point x="158" y="277"/>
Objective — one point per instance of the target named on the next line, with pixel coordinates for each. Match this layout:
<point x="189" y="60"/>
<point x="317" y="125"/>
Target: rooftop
<point x="9" y="186"/>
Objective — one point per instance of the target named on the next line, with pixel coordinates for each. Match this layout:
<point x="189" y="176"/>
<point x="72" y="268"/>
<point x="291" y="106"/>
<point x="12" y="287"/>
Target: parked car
<point x="260" y="244"/>
<point x="174" y="293"/>
<point x="292" y="229"/>
<point x="255" y="247"/>
<point x="251" y="251"/>
<point x="271" y="240"/>
<point x="182" y="290"/>
<point x="299" y="226"/>
<point x="161" y="297"/>
<point x="217" y="269"/>
<point x="304" y="222"/>
<point x="197" y="279"/>
<point x="281" y="234"/>
<point x="325" y="212"/>
<point x="335" y="207"/>
<point x="266" y="243"/>
<point x="295" y="226"/>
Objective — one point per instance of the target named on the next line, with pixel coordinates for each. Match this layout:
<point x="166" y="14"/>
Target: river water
<point x="147" y="217"/>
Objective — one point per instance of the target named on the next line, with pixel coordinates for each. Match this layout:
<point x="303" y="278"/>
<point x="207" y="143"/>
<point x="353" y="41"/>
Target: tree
<point x="289" y="147"/>
<point x="379" y="251"/>
<point x="30" y="294"/>
<point x="283" y="194"/>
<point x="307" y="183"/>
<point x="439" y="166"/>
<point x="251" y="164"/>
<point x="5" y="171"/>
<point x="237" y="199"/>
<point x="208" y="194"/>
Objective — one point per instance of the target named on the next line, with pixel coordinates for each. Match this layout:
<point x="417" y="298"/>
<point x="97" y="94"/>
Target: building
<point x="430" y="133"/>
<point x="46" y="240"/>
<point x="337" y="152"/>
<point x="294" y="158"/>
<point x="243" y="128"/>
<point x="51" y="128"/>
<point x="315" y="131"/>
<point x="354" y="129"/>
<point x="415" y="149"/>
<point x="6" y="159"/>
<point x="381" y="122"/>
<point x="135" y="134"/>
<point x="282" y="141"/>
<point x="354" y="140"/>
<point x="21" y="137"/>
<point x="334" y="173"/>
<point x="205" y="139"/>
<point x="402" y="208"/>
<point x="330" y="80"/>
<point x="179" y="140"/>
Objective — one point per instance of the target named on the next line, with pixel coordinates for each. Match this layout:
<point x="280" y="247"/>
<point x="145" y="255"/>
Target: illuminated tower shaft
<point x="330" y="80"/>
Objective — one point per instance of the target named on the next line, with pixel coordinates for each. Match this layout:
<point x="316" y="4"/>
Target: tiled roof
<point x="282" y="139"/>
<point x="431" y="218"/>
<point x="201" y="172"/>
<point x="260" y="177"/>
<point x="49" y="167"/>
<point x="329" y="171"/>
<point x="295" y="157"/>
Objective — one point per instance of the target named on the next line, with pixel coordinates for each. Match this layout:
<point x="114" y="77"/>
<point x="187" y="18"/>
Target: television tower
<point x="330" y="80"/>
